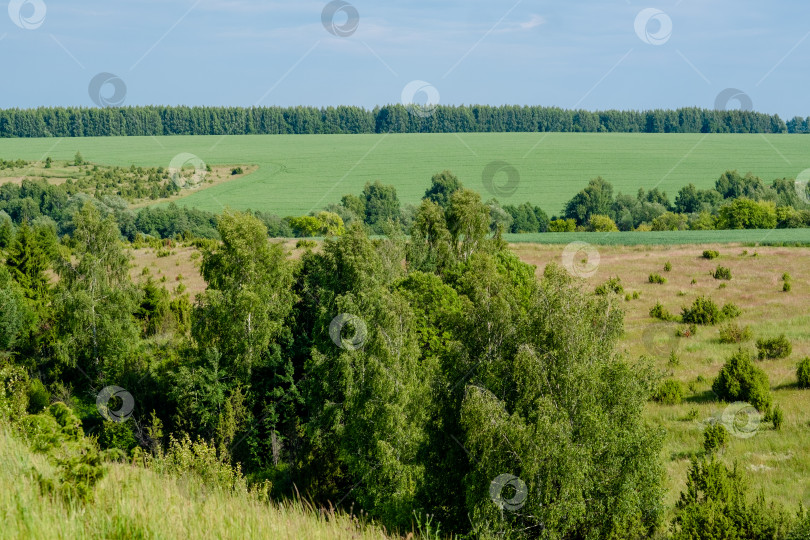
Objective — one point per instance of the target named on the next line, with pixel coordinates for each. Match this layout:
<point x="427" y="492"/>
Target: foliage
<point x="803" y="373"/>
<point x="601" y="223"/>
<point x="715" y="437"/>
<point x="715" y="506"/>
<point x="778" y="347"/>
<point x="740" y="380"/>
<point x="670" y="392"/>
<point x="657" y="278"/>
<point x="612" y="285"/>
<point x="722" y="273"/>
<point x="733" y="333"/>
<point x="711" y="254"/>
<point x="658" y="311"/>
<point x="702" y="311"/>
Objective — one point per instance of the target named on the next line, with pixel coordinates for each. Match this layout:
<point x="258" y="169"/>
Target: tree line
<point x="183" y="120"/>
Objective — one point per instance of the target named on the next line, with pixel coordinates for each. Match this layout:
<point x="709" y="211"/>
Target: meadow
<point x="299" y="173"/>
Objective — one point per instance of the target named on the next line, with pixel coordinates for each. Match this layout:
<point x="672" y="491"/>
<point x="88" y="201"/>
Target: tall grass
<point x="132" y="502"/>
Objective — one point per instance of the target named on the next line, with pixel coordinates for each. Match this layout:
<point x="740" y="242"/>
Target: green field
<point x="668" y="238"/>
<point x="299" y="173"/>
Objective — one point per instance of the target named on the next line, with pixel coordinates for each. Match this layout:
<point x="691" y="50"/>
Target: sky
<point x="596" y="55"/>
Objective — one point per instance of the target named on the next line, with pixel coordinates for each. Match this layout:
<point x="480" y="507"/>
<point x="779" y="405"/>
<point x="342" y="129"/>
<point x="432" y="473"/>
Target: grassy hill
<point x="298" y="173"/>
<point x="136" y="503"/>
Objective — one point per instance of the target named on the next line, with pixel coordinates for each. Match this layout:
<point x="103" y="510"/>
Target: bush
<point x="687" y="331"/>
<point x="306" y="244"/>
<point x="562" y="225"/>
<point x="741" y="380"/>
<point x="803" y="373"/>
<point x="237" y="170"/>
<point x="38" y="396"/>
<point x="786" y="286"/>
<point x="722" y="273"/>
<point x="702" y="311"/>
<point x="778" y="347"/>
<point x="733" y="333"/>
<point x="777" y="417"/>
<point x="657" y="278"/>
<point x="711" y="254"/>
<point x="670" y="392"/>
<point x="658" y="311"/>
<point x="715" y="437"/>
<point x="731" y="311"/>
<point x="612" y="285"/>
<point x="667" y="266"/>
<point x="600" y="223"/>
<point x="715" y="505"/>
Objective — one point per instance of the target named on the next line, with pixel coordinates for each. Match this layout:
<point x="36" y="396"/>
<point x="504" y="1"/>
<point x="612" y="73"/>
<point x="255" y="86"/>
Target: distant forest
<point x="160" y="120"/>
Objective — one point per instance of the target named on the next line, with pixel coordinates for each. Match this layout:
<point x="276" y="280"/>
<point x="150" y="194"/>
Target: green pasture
<point x="299" y="173"/>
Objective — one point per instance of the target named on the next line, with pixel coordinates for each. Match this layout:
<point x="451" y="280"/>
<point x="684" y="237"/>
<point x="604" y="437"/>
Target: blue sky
<point x="569" y="54"/>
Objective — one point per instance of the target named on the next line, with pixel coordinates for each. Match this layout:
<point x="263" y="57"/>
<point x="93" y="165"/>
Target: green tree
<point x="467" y="221"/>
<point x="744" y="213"/>
<point x="248" y="296"/>
<point x="29" y="260"/>
<point x="95" y="300"/>
<point x="558" y="367"/>
<point x="382" y="205"/>
<point x="442" y="187"/>
<point x="600" y="223"/>
<point x="597" y="198"/>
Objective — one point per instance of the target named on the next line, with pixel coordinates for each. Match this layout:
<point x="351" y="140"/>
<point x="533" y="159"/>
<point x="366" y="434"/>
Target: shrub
<point x="657" y="278"/>
<point x="715" y="437"/>
<point x="803" y="373"/>
<point x="600" y="223"/>
<point x="667" y="266"/>
<point x="778" y="347"/>
<point x="733" y="333"/>
<point x="702" y="311"/>
<point x="731" y="311"/>
<point x="715" y="505"/>
<point x="670" y="392"/>
<point x="38" y="396"/>
<point x="777" y="417"/>
<point x="711" y="254"/>
<point x="562" y="225"/>
<point x="237" y="170"/>
<point x="658" y="311"/>
<point x="306" y="244"/>
<point x="687" y="331"/>
<point x="612" y="285"/>
<point x="741" y="380"/>
<point x="786" y="286"/>
<point x="722" y="273"/>
<point x="786" y="277"/>
<point x="691" y="414"/>
<point x="673" y="359"/>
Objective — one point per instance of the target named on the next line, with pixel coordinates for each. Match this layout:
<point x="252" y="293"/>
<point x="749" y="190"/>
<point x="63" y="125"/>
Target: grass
<point x="776" y="462"/>
<point x="133" y="502"/>
<point x="298" y="173"/>
<point x="631" y="238"/>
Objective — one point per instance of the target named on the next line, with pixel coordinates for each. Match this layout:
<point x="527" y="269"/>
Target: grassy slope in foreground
<point x="298" y="173"/>
<point x="132" y="502"/>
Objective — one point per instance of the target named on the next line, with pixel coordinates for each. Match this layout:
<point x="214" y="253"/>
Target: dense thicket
<point x="181" y="120"/>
